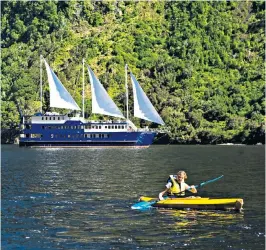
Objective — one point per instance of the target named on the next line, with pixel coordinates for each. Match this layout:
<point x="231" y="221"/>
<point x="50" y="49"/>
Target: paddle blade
<point x="143" y="205"/>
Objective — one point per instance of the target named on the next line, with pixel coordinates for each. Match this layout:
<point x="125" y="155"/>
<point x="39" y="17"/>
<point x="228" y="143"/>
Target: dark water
<point x="81" y="198"/>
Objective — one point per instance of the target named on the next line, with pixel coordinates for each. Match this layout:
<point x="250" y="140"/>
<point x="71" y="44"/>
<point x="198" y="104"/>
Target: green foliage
<point x="201" y="63"/>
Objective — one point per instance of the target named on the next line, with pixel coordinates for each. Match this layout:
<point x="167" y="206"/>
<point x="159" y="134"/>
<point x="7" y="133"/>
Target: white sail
<point x="142" y="106"/>
<point x="101" y="101"/>
<point x="59" y="96"/>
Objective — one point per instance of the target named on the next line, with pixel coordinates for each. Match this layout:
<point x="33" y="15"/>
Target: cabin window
<point x="52" y="135"/>
<point x="54" y="117"/>
<point x="68" y="136"/>
<point x="42" y="118"/>
<point x="112" y="127"/>
<point x="97" y="136"/>
<point x="35" y="135"/>
<point x="105" y="126"/>
<point x="96" y="127"/>
<point x="58" y="117"/>
<point x="118" y="126"/>
<point x="115" y="127"/>
<point x="42" y="127"/>
<point x="100" y="127"/>
<point x="109" y="127"/>
<point x="46" y="118"/>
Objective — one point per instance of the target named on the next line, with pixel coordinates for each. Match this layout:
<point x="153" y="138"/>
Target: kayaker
<point x="176" y="184"/>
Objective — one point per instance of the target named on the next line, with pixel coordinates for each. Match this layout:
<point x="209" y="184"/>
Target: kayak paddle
<point x="144" y="205"/>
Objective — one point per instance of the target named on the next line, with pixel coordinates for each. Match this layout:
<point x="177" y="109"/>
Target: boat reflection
<point x="188" y="218"/>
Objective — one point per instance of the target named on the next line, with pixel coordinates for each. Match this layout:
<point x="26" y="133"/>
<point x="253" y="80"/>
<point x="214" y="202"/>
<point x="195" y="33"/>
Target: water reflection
<point x="80" y="199"/>
<point x="188" y="221"/>
<point x="192" y="217"/>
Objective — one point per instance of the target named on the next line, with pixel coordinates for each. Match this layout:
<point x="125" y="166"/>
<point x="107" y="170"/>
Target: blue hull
<point x="74" y="134"/>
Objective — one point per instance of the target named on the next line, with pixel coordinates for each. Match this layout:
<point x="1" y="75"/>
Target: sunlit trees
<point x="201" y="63"/>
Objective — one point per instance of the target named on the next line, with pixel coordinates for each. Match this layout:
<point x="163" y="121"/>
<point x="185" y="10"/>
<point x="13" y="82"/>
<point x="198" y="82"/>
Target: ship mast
<point x="83" y="62"/>
<point x="41" y="57"/>
<point x="126" y="91"/>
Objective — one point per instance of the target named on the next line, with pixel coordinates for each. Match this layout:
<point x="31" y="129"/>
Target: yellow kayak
<point x="197" y="203"/>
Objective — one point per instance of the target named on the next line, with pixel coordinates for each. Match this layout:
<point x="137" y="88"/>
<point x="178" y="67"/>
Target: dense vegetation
<point x="200" y="63"/>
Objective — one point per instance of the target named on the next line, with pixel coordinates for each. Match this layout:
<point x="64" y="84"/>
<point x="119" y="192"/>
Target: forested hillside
<point x="200" y="63"/>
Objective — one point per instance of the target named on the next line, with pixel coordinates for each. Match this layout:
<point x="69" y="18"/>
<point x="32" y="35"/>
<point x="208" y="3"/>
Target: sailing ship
<point x="52" y="129"/>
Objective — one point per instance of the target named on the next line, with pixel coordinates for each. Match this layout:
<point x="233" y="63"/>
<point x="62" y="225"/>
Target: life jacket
<point x="176" y="187"/>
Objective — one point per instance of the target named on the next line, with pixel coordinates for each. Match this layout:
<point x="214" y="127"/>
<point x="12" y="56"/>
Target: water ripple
<point x="81" y="199"/>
